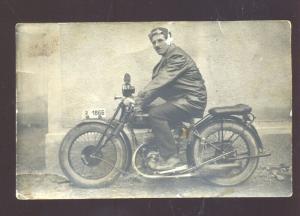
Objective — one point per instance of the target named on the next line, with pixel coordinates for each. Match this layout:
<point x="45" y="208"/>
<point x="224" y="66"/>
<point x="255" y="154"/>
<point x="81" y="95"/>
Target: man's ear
<point x="169" y="39"/>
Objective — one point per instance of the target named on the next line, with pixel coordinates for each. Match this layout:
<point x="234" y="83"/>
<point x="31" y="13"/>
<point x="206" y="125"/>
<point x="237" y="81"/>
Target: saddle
<point x="239" y="109"/>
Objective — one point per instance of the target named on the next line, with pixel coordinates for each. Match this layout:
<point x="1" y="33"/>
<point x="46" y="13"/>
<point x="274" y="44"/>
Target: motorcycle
<point x="223" y="147"/>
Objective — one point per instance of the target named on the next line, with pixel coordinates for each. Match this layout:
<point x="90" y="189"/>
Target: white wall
<point x="242" y="62"/>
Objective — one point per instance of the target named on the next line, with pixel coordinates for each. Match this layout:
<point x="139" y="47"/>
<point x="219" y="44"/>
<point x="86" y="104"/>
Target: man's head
<point x="161" y="40"/>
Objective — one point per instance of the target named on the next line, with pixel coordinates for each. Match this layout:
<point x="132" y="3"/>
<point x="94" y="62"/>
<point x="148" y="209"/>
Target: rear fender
<point x="123" y="136"/>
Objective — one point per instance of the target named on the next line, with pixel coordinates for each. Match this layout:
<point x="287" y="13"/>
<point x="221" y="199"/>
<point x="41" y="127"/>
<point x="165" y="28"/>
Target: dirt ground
<point x="271" y="179"/>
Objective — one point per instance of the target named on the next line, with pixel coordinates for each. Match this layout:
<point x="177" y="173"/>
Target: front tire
<point x="221" y="137"/>
<point x="83" y="169"/>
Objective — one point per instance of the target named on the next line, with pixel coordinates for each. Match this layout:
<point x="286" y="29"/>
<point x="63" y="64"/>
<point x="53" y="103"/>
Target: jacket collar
<point x="169" y="51"/>
<point x="163" y="60"/>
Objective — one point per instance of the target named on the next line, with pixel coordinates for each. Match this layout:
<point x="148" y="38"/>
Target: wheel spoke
<point x="236" y="138"/>
<point x="232" y="135"/>
<point x="215" y="147"/>
<point x="220" y="135"/>
<point x="91" y="168"/>
<point x="107" y="162"/>
<point x="83" y="170"/>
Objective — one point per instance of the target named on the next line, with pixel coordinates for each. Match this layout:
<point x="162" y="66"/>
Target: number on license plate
<point x="94" y="113"/>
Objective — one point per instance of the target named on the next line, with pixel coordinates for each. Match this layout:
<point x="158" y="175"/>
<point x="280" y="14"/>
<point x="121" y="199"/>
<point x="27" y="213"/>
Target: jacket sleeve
<point x="175" y="65"/>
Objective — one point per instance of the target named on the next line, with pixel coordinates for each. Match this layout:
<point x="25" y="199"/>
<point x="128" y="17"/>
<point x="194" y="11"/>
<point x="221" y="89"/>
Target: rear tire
<point x="84" y="170"/>
<point x="209" y="143"/>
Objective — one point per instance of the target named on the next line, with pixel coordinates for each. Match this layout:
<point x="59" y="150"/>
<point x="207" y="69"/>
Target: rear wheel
<point x="232" y="140"/>
<point x="80" y="163"/>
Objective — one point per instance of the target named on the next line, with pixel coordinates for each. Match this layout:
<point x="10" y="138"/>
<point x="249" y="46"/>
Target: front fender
<point x="123" y="136"/>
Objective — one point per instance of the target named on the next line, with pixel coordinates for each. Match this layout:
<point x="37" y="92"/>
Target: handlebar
<point x="118" y="97"/>
<point x="125" y="100"/>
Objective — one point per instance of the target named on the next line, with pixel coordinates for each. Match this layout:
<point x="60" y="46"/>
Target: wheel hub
<point x="222" y="150"/>
<point x="89" y="157"/>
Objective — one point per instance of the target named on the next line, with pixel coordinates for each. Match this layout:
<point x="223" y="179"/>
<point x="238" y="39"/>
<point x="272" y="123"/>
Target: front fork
<point x="125" y="115"/>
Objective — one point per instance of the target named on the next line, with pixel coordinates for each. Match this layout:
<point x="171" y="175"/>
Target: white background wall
<point x="241" y="62"/>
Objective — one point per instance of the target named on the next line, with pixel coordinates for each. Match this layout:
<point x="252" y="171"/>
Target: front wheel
<point x="231" y="139"/>
<point x="82" y="166"/>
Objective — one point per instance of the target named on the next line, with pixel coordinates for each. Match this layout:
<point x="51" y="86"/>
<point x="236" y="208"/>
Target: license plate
<point x="93" y="113"/>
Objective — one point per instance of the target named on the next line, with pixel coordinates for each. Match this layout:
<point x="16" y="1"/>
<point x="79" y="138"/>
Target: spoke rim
<point x="103" y="168"/>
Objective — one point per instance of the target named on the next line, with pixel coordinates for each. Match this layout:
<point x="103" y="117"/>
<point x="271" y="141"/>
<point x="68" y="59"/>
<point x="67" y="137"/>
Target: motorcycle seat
<point x="239" y="109"/>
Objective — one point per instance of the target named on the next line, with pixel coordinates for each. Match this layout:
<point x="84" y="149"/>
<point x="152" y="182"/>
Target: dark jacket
<point x="177" y="79"/>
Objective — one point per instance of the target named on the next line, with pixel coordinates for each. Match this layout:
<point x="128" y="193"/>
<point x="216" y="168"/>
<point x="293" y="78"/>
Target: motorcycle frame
<point x="117" y="128"/>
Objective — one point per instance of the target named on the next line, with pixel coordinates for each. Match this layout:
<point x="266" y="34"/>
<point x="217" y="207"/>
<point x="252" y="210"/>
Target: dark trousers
<point x="161" y="117"/>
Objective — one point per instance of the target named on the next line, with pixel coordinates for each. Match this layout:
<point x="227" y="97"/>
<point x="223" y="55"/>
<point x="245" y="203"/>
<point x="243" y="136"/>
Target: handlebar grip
<point x="118" y="97"/>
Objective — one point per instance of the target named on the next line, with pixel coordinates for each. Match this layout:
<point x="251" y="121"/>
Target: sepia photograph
<point x="153" y="110"/>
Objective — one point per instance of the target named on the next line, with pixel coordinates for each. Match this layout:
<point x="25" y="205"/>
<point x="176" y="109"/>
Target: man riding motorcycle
<point x="177" y="80"/>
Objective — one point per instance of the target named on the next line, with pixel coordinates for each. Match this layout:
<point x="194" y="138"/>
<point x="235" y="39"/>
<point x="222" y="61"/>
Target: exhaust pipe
<point x="205" y="168"/>
<point x="220" y="167"/>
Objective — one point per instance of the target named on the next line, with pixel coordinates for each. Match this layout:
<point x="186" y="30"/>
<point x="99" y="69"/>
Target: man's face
<point x="159" y="44"/>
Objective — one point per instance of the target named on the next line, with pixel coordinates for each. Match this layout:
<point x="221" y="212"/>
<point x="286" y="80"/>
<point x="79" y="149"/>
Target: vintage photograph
<point x="153" y="110"/>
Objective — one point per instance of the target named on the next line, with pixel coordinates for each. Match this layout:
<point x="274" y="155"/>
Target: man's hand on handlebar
<point x="128" y="101"/>
<point x="137" y="102"/>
